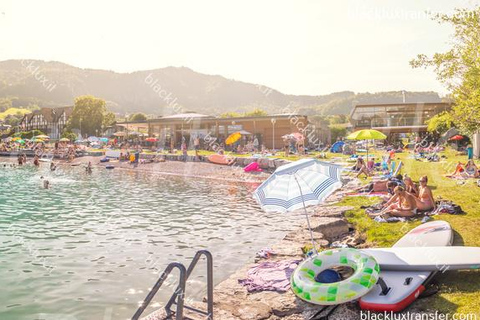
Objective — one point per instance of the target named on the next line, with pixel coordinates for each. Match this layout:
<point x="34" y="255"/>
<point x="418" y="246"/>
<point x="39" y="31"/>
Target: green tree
<point x="230" y="115"/>
<point x="256" y="113"/>
<point x="138" y="117"/>
<point x="440" y="123"/>
<point x="109" y="119"/>
<point x="337" y="131"/>
<point x="459" y="67"/>
<point x="69" y="135"/>
<point x="88" y="115"/>
<point x="5" y="104"/>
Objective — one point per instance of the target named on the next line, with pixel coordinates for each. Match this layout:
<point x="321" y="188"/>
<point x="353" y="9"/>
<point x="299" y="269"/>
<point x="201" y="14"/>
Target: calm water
<point x="92" y="245"/>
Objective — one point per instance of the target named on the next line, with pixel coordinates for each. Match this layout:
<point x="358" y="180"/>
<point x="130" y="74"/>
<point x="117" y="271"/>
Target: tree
<point x="109" y="119"/>
<point x="256" y="113"/>
<point x="440" y="123"/>
<point x="69" y="135"/>
<point x="138" y="117"/>
<point x="230" y="115"/>
<point x="88" y="115"/>
<point x="337" y="131"/>
<point x="459" y="67"/>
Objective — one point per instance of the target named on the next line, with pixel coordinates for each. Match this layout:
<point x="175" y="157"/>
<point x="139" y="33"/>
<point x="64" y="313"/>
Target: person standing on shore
<point x="184" y="151"/>
<point x="196" y="144"/>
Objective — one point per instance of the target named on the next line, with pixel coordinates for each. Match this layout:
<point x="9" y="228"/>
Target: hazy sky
<point x="297" y="47"/>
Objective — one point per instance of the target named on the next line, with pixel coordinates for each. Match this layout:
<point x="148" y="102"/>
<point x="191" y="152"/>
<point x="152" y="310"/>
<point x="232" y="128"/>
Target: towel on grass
<point x="270" y="276"/>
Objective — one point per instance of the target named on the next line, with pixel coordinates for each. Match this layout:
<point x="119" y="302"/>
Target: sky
<point x="297" y="47"/>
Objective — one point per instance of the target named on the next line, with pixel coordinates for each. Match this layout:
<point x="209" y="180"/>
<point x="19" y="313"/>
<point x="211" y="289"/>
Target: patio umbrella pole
<point x="306" y="215"/>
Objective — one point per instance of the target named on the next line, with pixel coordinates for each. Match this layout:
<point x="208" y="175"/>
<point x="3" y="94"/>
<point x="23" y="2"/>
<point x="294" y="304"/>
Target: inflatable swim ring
<point x="365" y="276"/>
<point x="104" y="159"/>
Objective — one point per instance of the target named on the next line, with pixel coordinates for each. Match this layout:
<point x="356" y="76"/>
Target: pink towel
<point x="270" y="276"/>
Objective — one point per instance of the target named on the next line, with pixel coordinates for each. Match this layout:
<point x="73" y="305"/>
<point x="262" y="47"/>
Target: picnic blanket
<point x="270" y="276"/>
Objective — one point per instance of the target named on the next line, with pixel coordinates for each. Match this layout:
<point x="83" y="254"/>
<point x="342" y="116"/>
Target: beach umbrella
<point x="151" y="139"/>
<point x="42" y="136"/>
<point x="366" y="134"/>
<point x="297" y="185"/>
<point x="21" y="141"/>
<point x="456" y="138"/>
<point x="104" y="140"/>
<point x="234" y="137"/>
<point x="298" y="136"/>
<point x="64" y="140"/>
<point x="16" y="139"/>
<point x="120" y="134"/>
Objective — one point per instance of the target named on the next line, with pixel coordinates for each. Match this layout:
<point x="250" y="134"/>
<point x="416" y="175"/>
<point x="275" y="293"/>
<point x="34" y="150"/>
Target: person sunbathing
<point x="471" y="169"/>
<point x="361" y="167"/>
<point x="404" y="204"/>
<point x="425" y="200"/>
<point x="459" y="170"/>
<point x="410" y="187"/>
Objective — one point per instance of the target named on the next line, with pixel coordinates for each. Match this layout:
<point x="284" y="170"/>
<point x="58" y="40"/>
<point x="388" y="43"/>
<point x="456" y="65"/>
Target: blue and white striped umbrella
<point x="301" y="183"/>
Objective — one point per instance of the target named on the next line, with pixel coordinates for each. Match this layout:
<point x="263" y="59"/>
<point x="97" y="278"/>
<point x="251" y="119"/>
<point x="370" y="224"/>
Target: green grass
<point x="459" y="290"/>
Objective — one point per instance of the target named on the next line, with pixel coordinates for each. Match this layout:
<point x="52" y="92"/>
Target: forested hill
<point x="41" y="83"/>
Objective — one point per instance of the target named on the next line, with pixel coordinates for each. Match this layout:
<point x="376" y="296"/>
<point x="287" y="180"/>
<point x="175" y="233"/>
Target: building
<point x="395" y="118"/>
<point x="50" y="121"/>
<point x="267" y="129"/>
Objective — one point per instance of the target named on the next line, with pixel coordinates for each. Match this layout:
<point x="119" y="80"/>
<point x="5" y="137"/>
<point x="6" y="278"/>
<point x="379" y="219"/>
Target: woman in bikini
<point x="471" y="169"/>
<point x="405" y="206"/>
<point x="410" y="187"/>
<point x="425" y="200"/>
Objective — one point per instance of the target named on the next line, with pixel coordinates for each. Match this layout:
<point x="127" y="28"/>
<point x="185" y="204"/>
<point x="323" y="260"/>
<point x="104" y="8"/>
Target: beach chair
<point x="394" y="171"/>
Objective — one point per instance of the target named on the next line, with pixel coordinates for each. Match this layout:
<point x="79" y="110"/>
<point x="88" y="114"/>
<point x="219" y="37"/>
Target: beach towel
<point x="270" y="276"/>
<point x="367" y="194"/>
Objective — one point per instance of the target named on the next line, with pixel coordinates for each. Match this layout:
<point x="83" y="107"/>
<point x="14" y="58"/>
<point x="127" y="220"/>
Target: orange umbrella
<point x="233" y="138"/>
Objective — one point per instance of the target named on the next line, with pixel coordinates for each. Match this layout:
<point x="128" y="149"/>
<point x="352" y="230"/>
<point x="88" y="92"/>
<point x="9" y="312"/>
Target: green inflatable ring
<point x="365" y="276"/>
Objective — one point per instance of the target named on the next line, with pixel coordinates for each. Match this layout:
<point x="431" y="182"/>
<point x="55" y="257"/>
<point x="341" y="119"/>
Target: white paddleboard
<point x="406" y="286"/>
<point x="426" y="258"/>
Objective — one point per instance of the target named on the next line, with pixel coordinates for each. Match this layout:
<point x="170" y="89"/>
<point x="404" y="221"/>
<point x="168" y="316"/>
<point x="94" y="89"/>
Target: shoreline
<point x="202" y="170"/>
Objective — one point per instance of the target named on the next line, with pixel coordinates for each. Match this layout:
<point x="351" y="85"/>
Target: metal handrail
<point x="192" y="265"/>
<point x="180" y="291"/>
<point x="178" y="297"/>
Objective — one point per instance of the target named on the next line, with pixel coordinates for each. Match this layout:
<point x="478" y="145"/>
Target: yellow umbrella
<point x="233" y="138"/>
<point x="16" y="138"/>
<point x="367" y="134"/>
<point x="42" y="136"/>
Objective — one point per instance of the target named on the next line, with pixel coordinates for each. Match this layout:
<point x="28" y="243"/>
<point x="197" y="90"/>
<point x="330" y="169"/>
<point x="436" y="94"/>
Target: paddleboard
<point x="406" y="286"/>
<point x="426" y="258"/>
<point x="219" y="159"/>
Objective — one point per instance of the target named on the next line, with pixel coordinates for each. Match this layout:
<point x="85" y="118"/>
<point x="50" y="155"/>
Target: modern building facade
<point x="267" y="129"/>
<point x="50" y="121"/>
<point x="395" y="118"/>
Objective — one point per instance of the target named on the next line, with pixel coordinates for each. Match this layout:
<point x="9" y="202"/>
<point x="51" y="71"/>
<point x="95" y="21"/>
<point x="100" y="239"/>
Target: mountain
<point x="51" y="84"/>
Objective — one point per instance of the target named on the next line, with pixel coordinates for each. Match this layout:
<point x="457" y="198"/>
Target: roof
<point x="50" y="114"/>
<point x="400" y="104"/>
<point x="186" y="115"/>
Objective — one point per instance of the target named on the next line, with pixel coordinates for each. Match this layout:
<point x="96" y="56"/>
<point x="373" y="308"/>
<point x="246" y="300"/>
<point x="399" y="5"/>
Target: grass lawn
<point x="459" y="290"/>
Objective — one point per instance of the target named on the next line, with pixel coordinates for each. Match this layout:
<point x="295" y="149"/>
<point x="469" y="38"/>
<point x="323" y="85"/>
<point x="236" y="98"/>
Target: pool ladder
<point x="178" y="296"/>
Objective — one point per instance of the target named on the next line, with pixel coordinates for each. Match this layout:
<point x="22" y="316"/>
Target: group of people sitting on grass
<point x="405" y="198"/>
<point x="369" y="167"/>
<point x="468" y="170"/>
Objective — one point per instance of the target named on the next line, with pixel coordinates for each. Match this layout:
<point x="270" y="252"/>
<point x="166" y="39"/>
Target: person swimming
<point x="88" y="168"/>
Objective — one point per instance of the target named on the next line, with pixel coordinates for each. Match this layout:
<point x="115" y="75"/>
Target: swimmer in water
<point x="88" y="168"/>
<point x="46" y="184"/>
<point x="53" y="167"/>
